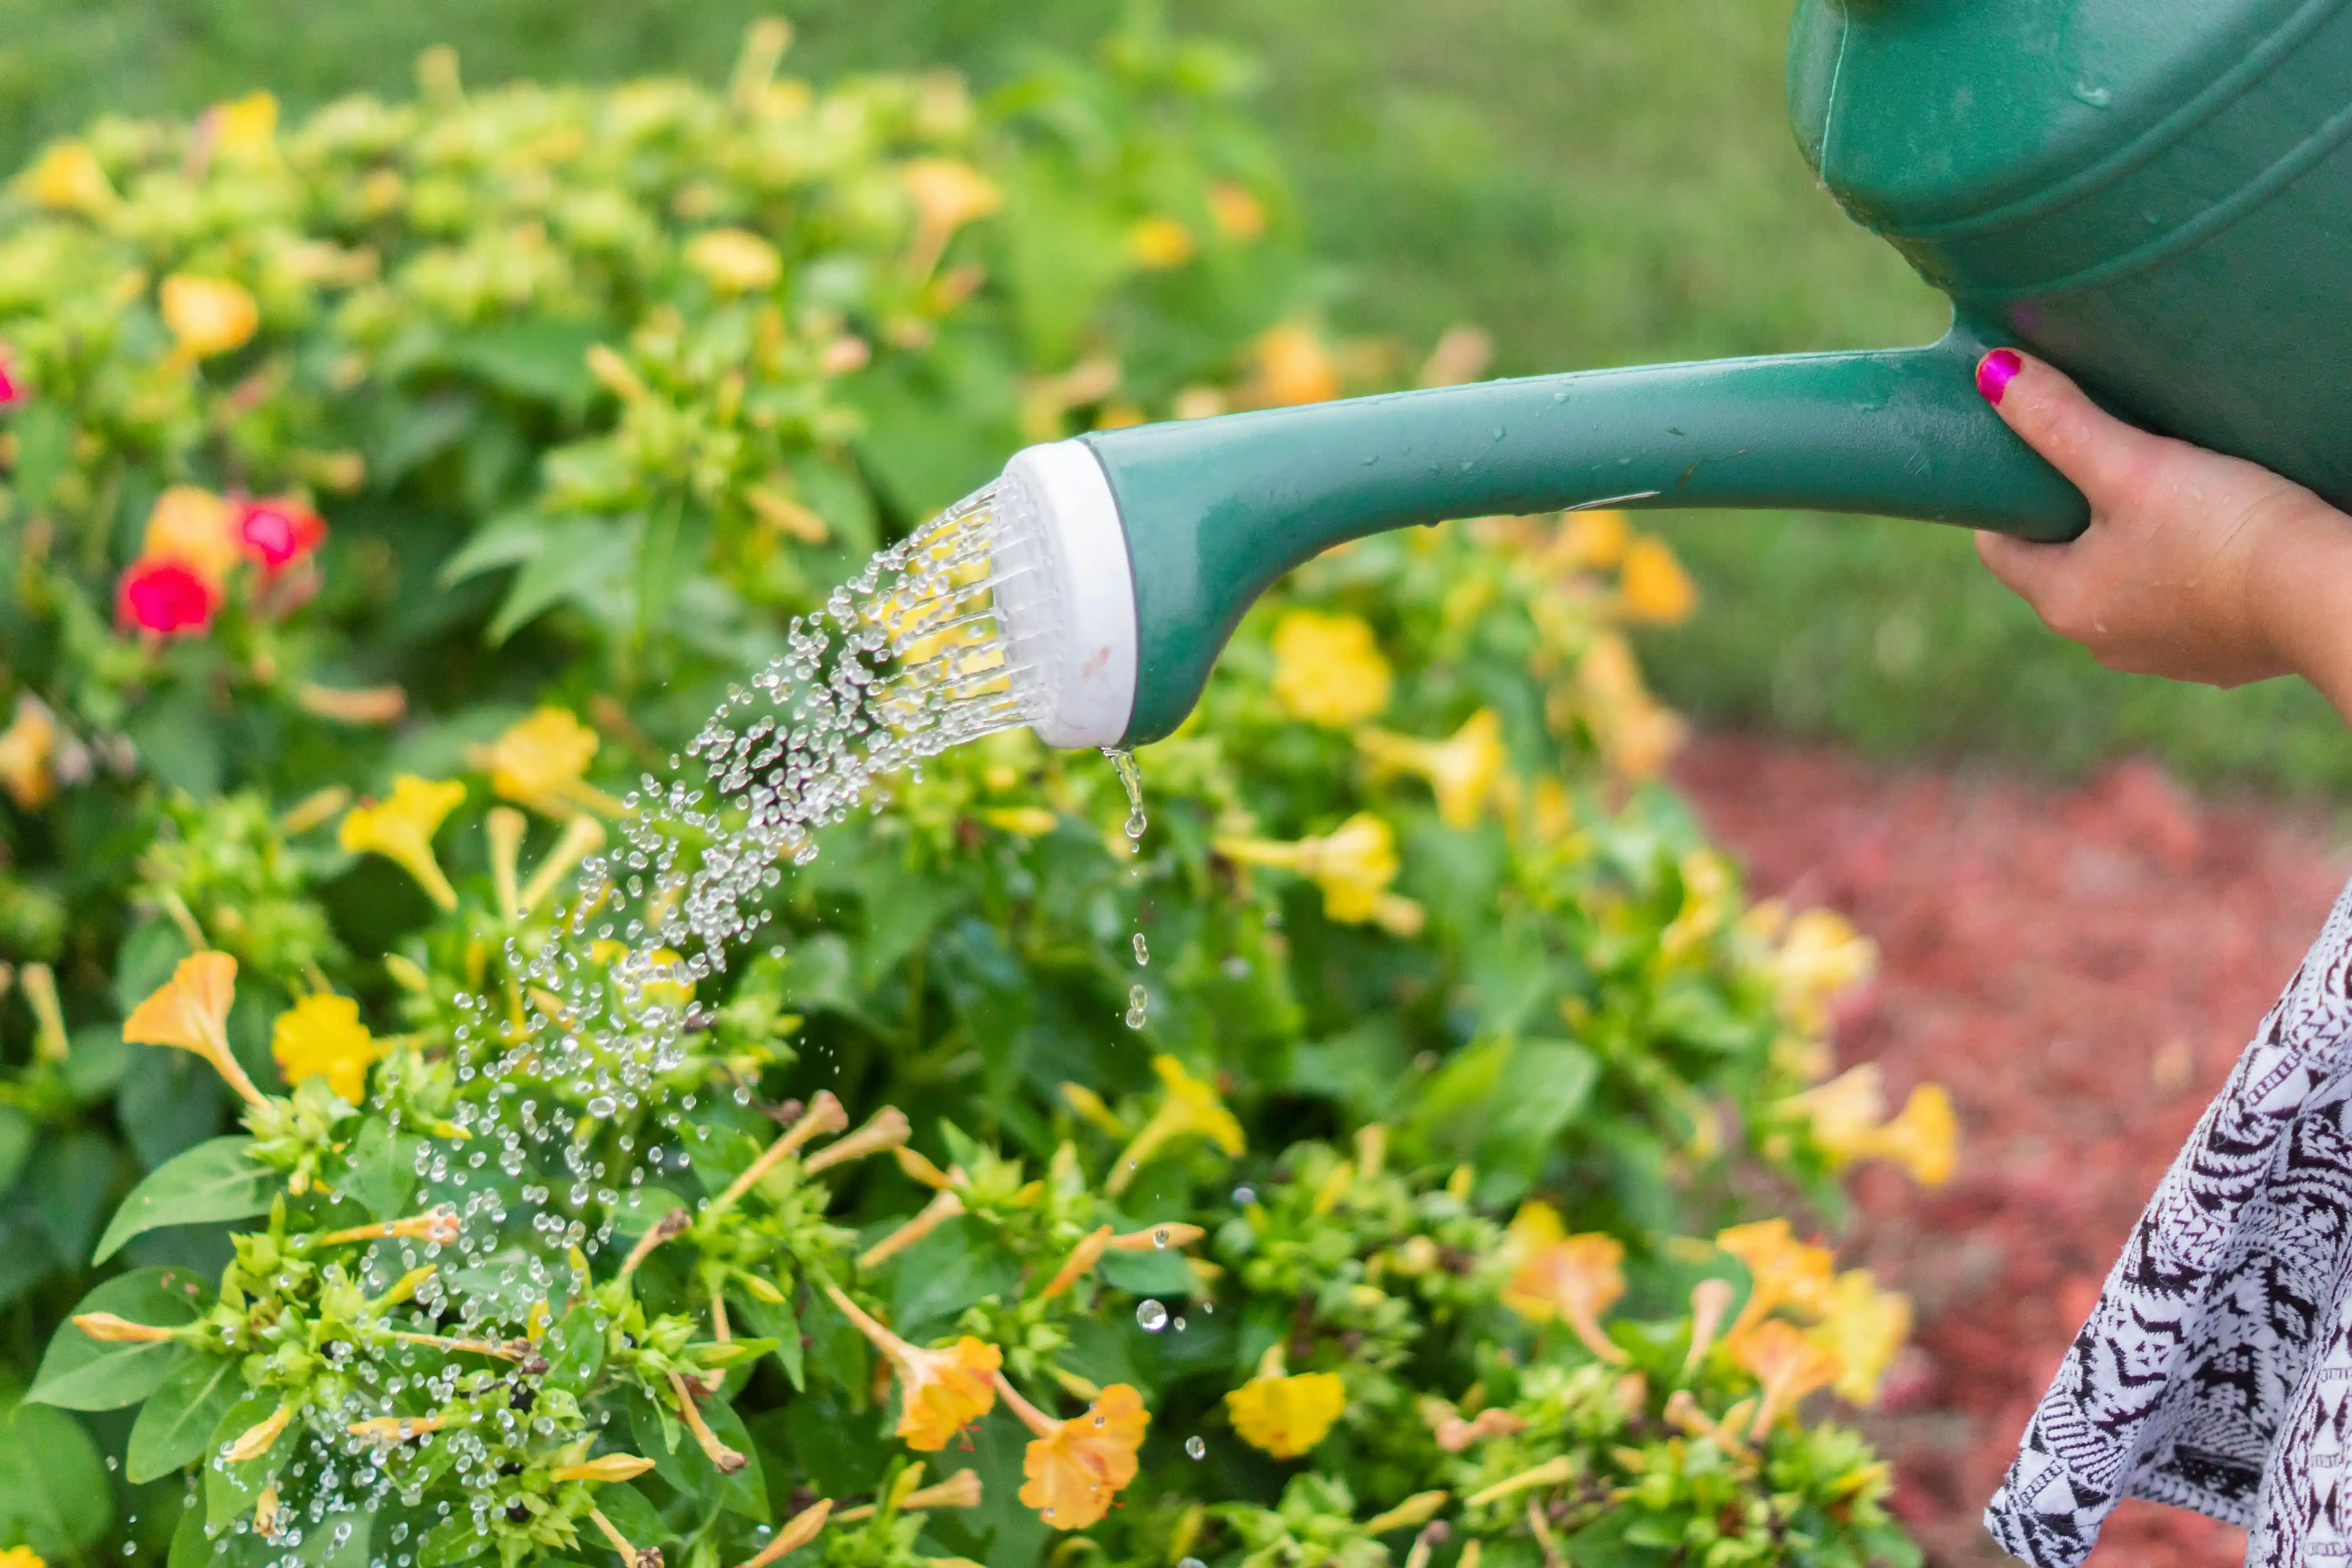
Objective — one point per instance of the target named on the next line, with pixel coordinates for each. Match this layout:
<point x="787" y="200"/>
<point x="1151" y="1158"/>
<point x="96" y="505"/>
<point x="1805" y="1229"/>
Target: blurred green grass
<point x="1598" y="182"/>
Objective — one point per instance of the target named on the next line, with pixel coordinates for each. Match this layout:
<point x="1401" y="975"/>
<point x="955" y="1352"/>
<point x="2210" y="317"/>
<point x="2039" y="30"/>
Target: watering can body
<point x="2155" y="194"/>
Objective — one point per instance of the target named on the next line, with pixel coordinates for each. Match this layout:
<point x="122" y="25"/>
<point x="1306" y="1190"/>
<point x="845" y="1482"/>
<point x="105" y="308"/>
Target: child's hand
<point x="2196" y="566"/>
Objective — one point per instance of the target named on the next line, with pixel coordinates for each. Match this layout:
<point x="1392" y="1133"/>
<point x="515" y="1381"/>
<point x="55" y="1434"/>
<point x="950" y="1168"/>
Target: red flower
<point x="276" y="531"/>
<point x="164" y="597"/>
<point x="12" y="391"/>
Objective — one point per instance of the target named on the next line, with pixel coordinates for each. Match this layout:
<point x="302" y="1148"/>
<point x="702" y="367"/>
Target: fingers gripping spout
<point x="2101" y="454"/>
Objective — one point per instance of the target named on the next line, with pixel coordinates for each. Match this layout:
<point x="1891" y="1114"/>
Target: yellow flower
<point x="321" y="1036"/>
<point x="1573" y="1278"/>
<point x="1159" y="243"/>
<point x="27" y="748"/>
<point x="196" y="527"/>
<point x="401" y="831"/>
<point x="1924" y="1138"/>
<point x="1819" y="955"/>
<point x="1293" y="367"/>
<point x="1189" y="1108"/>
<point x="189" y="1012"/>
<point x="1864" y="1328"/>
<point x="21" y="1557"/>
<point x="1287" y="1416"/>
<point x="1653" y="588"/>
<point x="606" y="1471"/>
<point x="243" y="125"/>
<point x="1238" y="213"/>
<point x="208" y="316"/>
<point x="1591" y="540"/>
<point x="1077" y="1468"/>
<point x="540" y="762"/>
<point x="1353" y="865"/>
<point x="1787" y="1272"/>
<point x="1462" y="771"/>
<point x="735" y="260"/>
<point x="1789" y="1364"/>
<point x="947" y="196"/>
<point x="1328" y="669"/>
<point x="66" y="177"/>
<point x="940" y="1392"/>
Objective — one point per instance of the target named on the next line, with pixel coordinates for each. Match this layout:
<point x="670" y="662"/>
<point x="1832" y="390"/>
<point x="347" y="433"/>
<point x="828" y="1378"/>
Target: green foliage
<point x="1223" y="1134"/>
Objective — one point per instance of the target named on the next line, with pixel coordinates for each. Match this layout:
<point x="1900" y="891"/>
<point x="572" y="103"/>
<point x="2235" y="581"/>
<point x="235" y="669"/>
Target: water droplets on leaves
<point x="1151" y="1315"/>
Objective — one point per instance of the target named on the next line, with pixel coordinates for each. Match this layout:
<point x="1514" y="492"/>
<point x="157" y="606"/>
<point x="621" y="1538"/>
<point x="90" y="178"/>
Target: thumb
<point x="2083" y="441"/>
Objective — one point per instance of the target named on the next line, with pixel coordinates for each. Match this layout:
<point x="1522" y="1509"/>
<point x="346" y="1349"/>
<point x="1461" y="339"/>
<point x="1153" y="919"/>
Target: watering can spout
<point x="1205" y="515"/>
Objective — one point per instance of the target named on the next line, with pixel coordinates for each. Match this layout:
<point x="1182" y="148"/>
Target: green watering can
<point x="2153" y="193"/>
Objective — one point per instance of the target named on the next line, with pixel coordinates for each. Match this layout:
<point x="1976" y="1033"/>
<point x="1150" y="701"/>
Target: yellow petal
<point x="1328" y="669"/>
<point x="321" y="1036"/>
<point x="735" y="260"/>
<point x="67" y="177"/>
<point x="208" y="315"/>
<point x="401" y="829"/>
<point x="1654" y="586"/>
<point x="189" y="1011"/>
<point x="27" y="748"/>
<point x="1287" y="1416"/>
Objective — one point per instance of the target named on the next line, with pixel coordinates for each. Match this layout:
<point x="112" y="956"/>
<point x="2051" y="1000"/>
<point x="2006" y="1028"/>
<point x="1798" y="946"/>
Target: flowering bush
<point x="1313" y="1178"/>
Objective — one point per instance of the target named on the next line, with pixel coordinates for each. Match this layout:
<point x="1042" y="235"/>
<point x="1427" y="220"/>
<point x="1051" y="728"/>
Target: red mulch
<point x="2080" y="967"/>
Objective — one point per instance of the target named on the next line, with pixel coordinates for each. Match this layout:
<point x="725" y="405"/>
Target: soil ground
<point x="2081" y="968"/>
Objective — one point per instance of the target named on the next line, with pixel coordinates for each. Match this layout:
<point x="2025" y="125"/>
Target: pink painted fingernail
<point x="1996" y="371"/>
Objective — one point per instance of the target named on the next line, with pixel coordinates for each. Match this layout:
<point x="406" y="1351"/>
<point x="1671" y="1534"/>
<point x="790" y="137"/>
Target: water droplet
<point x="1151" y="1315"/>
<point x="1142" y="951"/>
<point x="1138" y="1001"/>
<point x="1160" y="1236"/>
<point x="1177" y="1324"/>
<point x="1244" y="1196"/>
<point x="1199" y="1450"/>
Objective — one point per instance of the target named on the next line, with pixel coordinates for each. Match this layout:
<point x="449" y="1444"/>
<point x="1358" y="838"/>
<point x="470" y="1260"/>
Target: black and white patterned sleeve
<point x="2215" y="1371"/>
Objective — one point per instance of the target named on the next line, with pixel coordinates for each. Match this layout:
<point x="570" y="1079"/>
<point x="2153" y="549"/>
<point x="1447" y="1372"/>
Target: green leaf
<point x="633" y="1516"/>
<point x="586" y="561"/>
<point x="774" y="1321"/>
<point x="574" y="1349"/>
<point x="178" y="738"/>
<point x="180" y="1417"/>
<point x="945" y="1272"/>
<point x="24" y="1254"/>
<point x="95" y="1065"/>
<point x="837" y="1351"/>
<point x="381" y="1169"/>
<point x="684" y="1465"/>
<point x="170" y="1101"/>
<point x="72" y="1178"/>
<point x="215" y="1180"/>
<point x="82" y="1374"/>
<point x="1501" y="1106"/>
<point x="506" y="541"/>
<point x="54" y="1494"/>
<point x="192" y="1547"/>
<point x="16" y="1132"/>
<point x="540" y="358"/>
<point x="231" y="1491"/>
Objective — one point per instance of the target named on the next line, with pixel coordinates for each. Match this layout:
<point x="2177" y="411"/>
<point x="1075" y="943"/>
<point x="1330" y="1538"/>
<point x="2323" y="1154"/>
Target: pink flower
<point x="164" y="597"/>
<point x="12" y="391"/>
<point x="277" y="530"/>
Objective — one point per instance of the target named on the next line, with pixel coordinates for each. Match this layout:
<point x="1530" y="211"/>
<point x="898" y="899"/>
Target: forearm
<point x="2306" y="584"/>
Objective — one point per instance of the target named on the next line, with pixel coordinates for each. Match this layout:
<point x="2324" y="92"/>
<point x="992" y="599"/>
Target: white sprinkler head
<point x="1065" y="598"/>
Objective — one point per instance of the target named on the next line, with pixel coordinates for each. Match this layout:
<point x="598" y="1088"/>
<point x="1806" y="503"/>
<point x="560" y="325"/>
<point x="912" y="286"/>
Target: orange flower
<point x="189" y="1012"/>
<point x="196" y="527"/>
<point x="1077" y="1468"/>
<point x="1787" y="1272"/>
<point x="1653" y="588"/>
<point x="940" y="1392"/>
<point x="1573" y="1278"/>
<point x="1789" y="1363"/>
